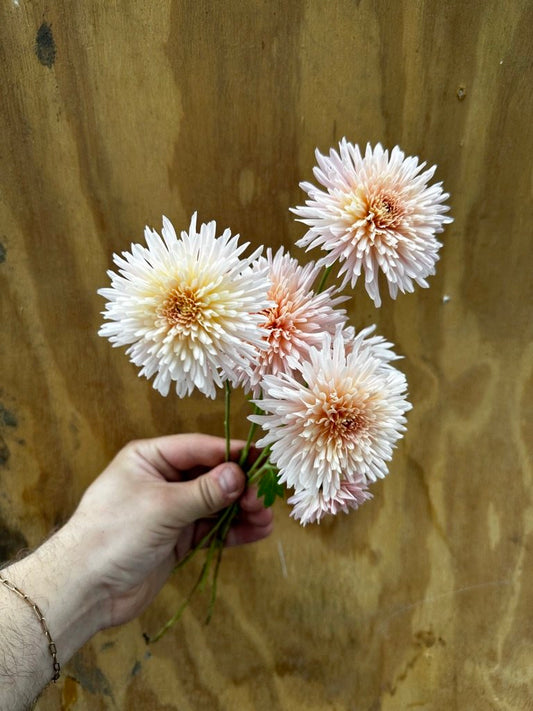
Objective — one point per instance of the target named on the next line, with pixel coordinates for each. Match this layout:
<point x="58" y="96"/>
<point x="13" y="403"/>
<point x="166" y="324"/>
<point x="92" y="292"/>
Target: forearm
<point x="25" y="660"/>
<point x="58" y="579"/>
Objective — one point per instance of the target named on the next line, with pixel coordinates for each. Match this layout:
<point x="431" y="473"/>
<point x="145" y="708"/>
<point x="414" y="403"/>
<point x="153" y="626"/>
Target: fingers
<point x="259" y="519"/>
<point x="253" y="523"/>
<point x="250" y="502"/>
<point x="242" y="531"/>
<point x="182" y="452"/>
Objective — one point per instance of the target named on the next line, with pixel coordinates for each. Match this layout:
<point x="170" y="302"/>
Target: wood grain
<point x="114" y="113"/>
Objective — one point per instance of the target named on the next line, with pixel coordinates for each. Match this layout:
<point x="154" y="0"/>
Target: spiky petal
<point x="188" y="308"/>
<point x="377" y="213"/>
<point x="339" y="422"/>
<point x="296" y="320"/>
<point x="311" y="505"/>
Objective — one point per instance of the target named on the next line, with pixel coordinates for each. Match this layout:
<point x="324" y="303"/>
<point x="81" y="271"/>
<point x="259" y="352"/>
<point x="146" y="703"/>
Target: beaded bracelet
<point x="40" y="617"/>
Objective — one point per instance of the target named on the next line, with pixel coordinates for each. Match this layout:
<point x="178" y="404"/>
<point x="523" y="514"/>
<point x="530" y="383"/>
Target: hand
<point x="150" y="506"/>
<point x="142" y="514"/>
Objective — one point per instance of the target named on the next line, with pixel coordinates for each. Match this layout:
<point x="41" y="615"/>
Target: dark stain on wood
<point x="45" y="46"/>
<point x="84" y="669"/>
<point x="7" y="417"/>
<point x="4" y="452"/>
<point x="11" y="542"/>
<point x="3" y="253"/>
<point x="136" y="668"/>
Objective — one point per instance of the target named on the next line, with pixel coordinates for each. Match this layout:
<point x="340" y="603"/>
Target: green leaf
<point x="269" y="487"/>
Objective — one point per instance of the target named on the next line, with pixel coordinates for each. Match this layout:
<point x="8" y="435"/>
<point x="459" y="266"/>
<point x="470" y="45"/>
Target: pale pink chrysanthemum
<point x="376" y="214"/>
<point x="188" y="308"/>
<point x="339" y="421"/>
<point x="310" y="505"/>
<point x="296" y="319"/>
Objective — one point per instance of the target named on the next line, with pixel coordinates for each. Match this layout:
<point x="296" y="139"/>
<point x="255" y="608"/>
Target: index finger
<point x="182" y="452"/>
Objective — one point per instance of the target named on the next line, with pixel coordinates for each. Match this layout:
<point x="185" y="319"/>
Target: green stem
<point x="207" y="538"/>
<point x="258" y="462"/>
<point x="220" y="545"/>
<point x="246" y="451"/>
<point x="258" y="472"/>
<point x="214" y="551"/>
<point x="181" y="608"/>
<point x="207" y="564"/>
<point x="215" y="538"/>
<point x="227" y="403"/>
<point x="323" y="280"/>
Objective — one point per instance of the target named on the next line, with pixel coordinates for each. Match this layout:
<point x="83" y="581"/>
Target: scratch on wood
<point x="449" y="593"/>
<point x="282" y="560"/>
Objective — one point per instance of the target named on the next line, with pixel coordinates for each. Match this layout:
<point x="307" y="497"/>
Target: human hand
<point x="152" y="503"/>
<point x="150" y="506"/>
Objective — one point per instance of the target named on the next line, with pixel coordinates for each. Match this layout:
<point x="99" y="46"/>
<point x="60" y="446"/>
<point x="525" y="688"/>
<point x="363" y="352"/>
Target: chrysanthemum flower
<point x="377" y="213"/>
<point x="189" y="309"/>
<point x="296" y="320"/>
<point x="310" y="505"/>
<point x="339" y="422"/>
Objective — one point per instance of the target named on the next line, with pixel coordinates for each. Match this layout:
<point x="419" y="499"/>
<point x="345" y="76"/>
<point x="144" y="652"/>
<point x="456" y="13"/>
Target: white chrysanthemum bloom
<point x="189" y="309"/>
<point x="340" y="421"/>
<point x="296" y="320"/>
<point x="376" y="214"/>
<point x="310" y="505"/>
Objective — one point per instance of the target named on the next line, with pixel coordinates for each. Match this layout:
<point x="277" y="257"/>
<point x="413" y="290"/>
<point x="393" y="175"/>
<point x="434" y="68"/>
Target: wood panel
<point x="114" y="113"/>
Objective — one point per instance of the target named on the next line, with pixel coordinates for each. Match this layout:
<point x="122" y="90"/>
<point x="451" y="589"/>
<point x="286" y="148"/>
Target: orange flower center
<point x="279" y="324"/>
<point x="344" y="422"/>
<point x="384" y="210"/>
<point x="180" y="308"/>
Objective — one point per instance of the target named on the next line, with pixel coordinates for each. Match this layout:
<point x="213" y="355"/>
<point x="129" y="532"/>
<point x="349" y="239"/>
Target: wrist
<point x="59" y="578"/>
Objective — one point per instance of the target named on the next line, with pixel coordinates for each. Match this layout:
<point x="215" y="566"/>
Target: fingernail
<point x="228" y="480"/>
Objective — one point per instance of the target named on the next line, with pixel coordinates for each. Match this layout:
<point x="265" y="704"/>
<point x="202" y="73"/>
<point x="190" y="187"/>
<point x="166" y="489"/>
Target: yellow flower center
<point x="181" y="307"/>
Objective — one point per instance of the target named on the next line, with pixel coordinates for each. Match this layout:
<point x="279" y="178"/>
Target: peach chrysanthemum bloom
<point x="310" y="505"/>
<point x="296" y="319"/>
<point x="338" y="423"/>
<point x="376" y="214"/>
<point x="188" y="308"/>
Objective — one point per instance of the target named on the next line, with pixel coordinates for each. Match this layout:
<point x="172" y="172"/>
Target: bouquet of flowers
<point x="195" y="313"/>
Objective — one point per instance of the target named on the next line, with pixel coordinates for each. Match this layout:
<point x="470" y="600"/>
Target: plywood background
<point x="113" y="113"/>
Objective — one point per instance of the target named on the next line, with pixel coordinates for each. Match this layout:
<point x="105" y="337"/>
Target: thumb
<point x="210" y="492"/>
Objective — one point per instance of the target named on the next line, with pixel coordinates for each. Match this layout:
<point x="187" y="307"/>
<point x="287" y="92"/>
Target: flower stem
<point x="258" y="462"/>
<point x="227" y="403"/>
<point x="220" y="540"/>
<point x="216" y="537"/>
<point x="205" y="540"/>
<point x="258" y="472"/>
<point x="323" y="280"/>
<point x="246" y="451"/>
<point x="181" y="608"/>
